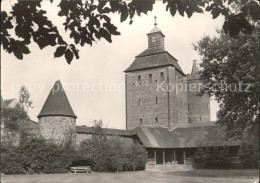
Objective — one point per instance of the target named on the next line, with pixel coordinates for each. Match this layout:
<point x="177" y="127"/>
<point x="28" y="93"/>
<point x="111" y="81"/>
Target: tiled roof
<point x="108" y="131"/>
<point x="8" y="101"/>
<point x="181" y="137"/>
<point x="155" y="29"/>
<point x="152" y="58"/>
<point x="2" y="103"/>
<point x="184" y="137"/>
<point x="57" y="103"/>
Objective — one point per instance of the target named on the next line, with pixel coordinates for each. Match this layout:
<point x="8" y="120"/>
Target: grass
<point x="193" y="176"/>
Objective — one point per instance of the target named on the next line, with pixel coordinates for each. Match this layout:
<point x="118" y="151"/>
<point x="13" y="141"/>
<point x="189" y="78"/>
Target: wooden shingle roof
<point x="57" y="103"/>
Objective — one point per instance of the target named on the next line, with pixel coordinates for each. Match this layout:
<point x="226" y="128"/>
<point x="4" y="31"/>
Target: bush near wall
<point x="248" y="155"/>
<point x="212" y="157"/>
<point x="113" y="154"/>
<point x="36" y="156"/>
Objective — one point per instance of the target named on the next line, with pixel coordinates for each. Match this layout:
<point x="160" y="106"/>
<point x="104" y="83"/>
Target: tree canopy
<point x="231" y="73"/>
<point x="88" y="21"/>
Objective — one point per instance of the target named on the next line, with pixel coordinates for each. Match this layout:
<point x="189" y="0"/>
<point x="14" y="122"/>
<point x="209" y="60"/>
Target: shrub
<point x="36" y="156"/>
<point x="248" y="156"/>
<point x="113" y="154"/>
<point x="12" y="161"/>
<point x="209" y="157"/>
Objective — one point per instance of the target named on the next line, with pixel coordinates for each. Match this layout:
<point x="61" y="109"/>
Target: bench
<point x="83" y="169"/>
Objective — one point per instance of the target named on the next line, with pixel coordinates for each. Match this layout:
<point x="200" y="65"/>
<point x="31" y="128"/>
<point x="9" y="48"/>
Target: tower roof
<point x="153" y="58"/>
<point x="195" y="68"/>
<point x="57" y="103"/>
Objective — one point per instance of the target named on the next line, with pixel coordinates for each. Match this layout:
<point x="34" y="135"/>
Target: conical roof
<point x="195" y="68"/>
<point x="57" y="103"/>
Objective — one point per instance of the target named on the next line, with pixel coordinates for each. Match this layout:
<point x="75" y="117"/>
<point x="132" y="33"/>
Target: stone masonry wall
<point x="198" y="105"/>
<point x="141" y="99"/>
<point x="178" y="98"/>
<point x="57" y="128"/>
<point x="154" y="99"/>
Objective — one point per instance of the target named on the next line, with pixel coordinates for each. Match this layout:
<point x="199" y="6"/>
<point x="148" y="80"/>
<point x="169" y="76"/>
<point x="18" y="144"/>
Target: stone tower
<point x="152" y="97"/>
<point x="57" y="120"/>
<point x="198" y="104"/>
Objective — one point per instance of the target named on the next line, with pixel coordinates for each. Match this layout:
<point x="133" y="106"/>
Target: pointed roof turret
<point x="195" y="68"/>
<point x="57" y="103"/>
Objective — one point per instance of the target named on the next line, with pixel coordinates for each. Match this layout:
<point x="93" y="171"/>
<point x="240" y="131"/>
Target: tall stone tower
<point x="57" y="120"/>
<point x="198" y="104"/>
<point x="152" y="97"/>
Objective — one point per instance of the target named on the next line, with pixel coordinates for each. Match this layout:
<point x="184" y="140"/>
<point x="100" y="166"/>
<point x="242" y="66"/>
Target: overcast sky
<point x="102" y="64"/>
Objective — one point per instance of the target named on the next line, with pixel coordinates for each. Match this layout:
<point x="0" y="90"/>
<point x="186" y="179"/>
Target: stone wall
<point x="141" y="99"/>
<point x="80" y="137"/>
<point x="57" y="128"/>
<point x="152" y="98"/>
<point x="198" y="105"/>
<point x="178" y="98"/>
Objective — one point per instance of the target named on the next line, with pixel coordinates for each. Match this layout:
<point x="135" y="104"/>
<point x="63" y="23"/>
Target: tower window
<point x="150" y="77"/>
<point x="156" y="120"/>
<point x="162" y="77"/>
<point x="139" y="78"/>
<point x="141" y="121"/>
<point x="156" y="100"/>
<point x="153" y="39"/>
<point x="140" y="101"/>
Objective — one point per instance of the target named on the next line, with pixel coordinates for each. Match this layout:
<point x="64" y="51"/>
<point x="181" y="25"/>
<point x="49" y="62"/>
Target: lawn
<point x="193" y="176"/>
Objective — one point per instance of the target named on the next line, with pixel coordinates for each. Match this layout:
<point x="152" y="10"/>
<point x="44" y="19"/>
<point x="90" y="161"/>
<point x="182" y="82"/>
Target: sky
<point x="94" y="83"/>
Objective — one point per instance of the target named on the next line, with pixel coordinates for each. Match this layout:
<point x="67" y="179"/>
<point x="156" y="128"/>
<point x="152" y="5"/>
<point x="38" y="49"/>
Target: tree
<point x="88" y="21"/>
<point x="230" y="70"/>
<point x="24" y="99"/>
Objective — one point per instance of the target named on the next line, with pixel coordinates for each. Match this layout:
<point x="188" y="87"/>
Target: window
<point x="162" y="77"/>
<point x="139" y="78"/>
<point x="141" y="121"/>
<point x="156" y="100"/>
<point x="140" y="101"/>
<point x="156" y="120"/>
<point x="153" y="39"/>
<point x="200" y="118"/>
<point x="150" y="77"/>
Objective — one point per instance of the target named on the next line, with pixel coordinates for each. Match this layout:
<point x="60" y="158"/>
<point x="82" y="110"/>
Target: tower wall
<point x="148" y="110"/>
<point x="162" y="104"/>
<point x="178" y="99"/>
<point x="198" y="105"/>
<point x="57" y="128"/>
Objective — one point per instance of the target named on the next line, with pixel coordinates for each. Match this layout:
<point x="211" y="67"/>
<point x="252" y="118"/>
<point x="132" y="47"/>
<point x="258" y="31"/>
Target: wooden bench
<point x="83" y="169"/>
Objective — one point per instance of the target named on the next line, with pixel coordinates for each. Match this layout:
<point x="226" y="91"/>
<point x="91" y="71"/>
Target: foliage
<point x="13" y="117"/>
<point x="212" y="157"/>
<point x="230" y="70"/>
<point x="36" y="156"/>
<point x="248" y="155"/>
<point x="88" y="21"/>
<point x="113" y="154"/>
<point x="24" y="98"/>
